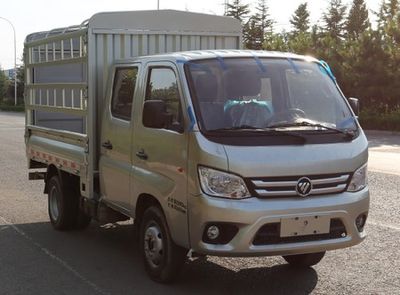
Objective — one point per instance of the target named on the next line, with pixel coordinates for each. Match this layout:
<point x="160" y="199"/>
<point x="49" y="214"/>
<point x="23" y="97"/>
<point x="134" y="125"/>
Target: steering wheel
<point x="289" y="115"/>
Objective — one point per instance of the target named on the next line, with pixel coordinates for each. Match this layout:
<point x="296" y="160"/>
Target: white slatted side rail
<point x="58" y="97"/>
<point x="63" y="48"/>
<point x="58" y="51"/>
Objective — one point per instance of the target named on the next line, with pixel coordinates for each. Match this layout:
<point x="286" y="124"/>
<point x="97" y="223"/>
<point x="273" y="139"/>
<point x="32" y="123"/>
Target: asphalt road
<point x="35" y="259"/>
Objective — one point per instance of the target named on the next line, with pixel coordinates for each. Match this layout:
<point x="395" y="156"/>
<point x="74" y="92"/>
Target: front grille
<point x="269" y="234"/>
<point x="275" y="187"/>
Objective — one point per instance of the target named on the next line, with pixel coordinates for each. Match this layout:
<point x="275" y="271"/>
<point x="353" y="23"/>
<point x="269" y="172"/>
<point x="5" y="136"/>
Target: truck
<point x="161" y="118"/>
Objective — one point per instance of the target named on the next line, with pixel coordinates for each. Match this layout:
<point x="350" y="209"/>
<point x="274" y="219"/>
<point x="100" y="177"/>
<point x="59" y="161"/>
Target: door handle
<point x="107" y="144"/>
<point x="142" y="155"/>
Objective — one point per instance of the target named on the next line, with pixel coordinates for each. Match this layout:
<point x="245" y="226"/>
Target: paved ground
<point x="34" y="259"/>
<point x="384" y="152"/>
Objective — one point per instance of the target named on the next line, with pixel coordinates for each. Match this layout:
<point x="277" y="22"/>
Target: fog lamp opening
<point x="213" y="232"/>
<point x="360" y="221"/>
<point x="219" y="233"/>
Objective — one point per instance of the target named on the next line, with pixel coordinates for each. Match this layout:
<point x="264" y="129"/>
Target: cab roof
<point x="186" y="56"/>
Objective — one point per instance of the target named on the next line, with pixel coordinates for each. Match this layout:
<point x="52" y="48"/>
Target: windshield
<point x="262" y="93"/>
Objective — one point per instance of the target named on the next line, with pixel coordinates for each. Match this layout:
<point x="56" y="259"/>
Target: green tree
<point x="381" y="15"/>
<point x="389" y="20"/>
<point x="277" y="42"/>
<point x="20" y="86"/>
<point x="3" y="85"/>
<point x="315" y="36"/>
<point x="390" y="9"/>
<point x="335" y="19"/>
<point x="357" y="20"/>
<point x="263" y="20"/>
<point x="301" y="43"/>
<point x="238" y="10"/>
<point x="388" y="12"/>
<point x="389" y="33"/>
<point x="366" y="72"/>
<point x="253" y="36"/>
<point x="20" y="83"/>
<point x="301" y="19"/>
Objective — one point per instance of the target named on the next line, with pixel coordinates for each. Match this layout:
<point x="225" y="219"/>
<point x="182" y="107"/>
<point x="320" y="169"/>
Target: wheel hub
<point x="53" y="204"/>
<point x="153" y="245"/>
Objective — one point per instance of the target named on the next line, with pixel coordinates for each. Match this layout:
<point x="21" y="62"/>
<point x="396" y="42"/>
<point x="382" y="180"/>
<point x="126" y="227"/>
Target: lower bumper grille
<point x="269" y="234"/>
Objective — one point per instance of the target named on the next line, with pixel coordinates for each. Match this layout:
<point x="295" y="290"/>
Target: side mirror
<point x="355" y="105"/>
<point x="155" y="114"/>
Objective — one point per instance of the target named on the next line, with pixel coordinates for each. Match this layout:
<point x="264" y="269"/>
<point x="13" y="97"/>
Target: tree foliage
<point x="253" y="34"/>
<point x="335" y="18"/>
<point x="358" y="19"/>
<point x="258" y="27"/>
<point x="263" y="19"/>
<point x="238" y="10"/>
<point x="3" y="85"/>
<point x="301" y="19"/>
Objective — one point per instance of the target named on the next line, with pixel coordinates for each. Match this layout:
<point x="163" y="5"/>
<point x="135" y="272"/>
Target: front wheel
<point x="162" y="257"/>
<point x="304" y="260"/>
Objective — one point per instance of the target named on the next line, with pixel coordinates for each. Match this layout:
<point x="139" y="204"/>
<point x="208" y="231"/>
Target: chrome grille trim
<point x="328" y="190"/>
<point x="286" y="186"/>
<point x="260" y="183"/>
<point x="266" y="193"/>
<point x="341" y="178"/>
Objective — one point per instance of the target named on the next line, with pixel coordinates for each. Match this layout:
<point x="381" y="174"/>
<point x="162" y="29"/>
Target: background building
<point x="9" y="73"/>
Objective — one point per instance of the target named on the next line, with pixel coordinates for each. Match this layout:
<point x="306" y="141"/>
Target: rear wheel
<point x="63" y="206"/>
<point x="304" y="260"/>
<point x="162" y="257"/>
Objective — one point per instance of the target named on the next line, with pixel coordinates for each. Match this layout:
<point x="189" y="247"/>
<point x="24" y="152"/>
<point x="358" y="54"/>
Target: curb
<point x="381" y="132"/>
<point x="18" y="113"/>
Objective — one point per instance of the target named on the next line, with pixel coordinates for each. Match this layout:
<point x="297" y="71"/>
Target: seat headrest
<point x="241" y="83"/>
<point x="206" y="87"/>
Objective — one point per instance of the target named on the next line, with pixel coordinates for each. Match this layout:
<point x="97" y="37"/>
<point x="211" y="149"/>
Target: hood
<point x="295" y="160"/>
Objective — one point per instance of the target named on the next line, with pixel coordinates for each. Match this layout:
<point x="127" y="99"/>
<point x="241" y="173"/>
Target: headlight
<point x="359" y="180"/>
<point x="221" y="184"/>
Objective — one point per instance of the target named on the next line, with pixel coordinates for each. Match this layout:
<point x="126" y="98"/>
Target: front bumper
<point x="249" y="215"/>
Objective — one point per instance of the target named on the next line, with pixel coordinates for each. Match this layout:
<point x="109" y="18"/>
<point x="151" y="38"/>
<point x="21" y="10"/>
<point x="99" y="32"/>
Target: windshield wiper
<point x="240" y="127"/>
<point x="270" y="131"/>
<point x="348" y="134"/>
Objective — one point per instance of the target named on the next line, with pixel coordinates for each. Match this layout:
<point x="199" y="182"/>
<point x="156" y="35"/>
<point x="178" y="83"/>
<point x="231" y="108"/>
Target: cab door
<point x="160" y="154"/>
<point x="116" y="138"/>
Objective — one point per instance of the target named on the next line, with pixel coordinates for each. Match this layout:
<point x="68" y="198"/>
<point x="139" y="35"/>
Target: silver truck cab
<point x="246" y="153"/>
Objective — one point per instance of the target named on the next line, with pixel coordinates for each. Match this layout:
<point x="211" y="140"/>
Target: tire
<point x="304" y="260"/>
<point x="162" y="258"/>
<point x="63" y="206"/>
